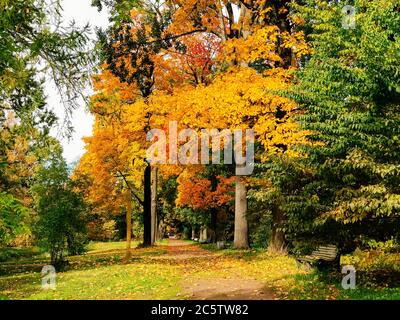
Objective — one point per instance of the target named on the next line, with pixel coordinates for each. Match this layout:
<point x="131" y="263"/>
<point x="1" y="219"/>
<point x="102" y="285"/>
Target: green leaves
<point x="35" y="46"/>
<point x="120" y="10"/>
<point x="61" y="221"/>
<point x="346" y="90"/>
<point x="13" y="218"/>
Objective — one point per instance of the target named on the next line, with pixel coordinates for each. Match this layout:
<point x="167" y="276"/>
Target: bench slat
<point x="327" y="249"/>
<point x="326" y="253"/>
<point x="325" y="258"/>
<point x="333" y="251"/>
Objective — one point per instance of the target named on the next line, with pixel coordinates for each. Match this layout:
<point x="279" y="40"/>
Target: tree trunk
<point x="241" y="238"/>
<point x="213" y="225"/>
<point x="277" y="242"/>
<point x="128" y="223"/>
<point x="213" y="211"/>
<point x="147" y="207"/>
<point x="154" y="217"/>
<point x="161" y="230"/>
<point x="204" y="234"/>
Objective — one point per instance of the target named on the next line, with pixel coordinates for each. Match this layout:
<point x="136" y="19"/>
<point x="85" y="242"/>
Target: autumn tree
<point x="132" y="62"/>
<point x="209" y="191"/>
<point x="106" y="173"/>
<point x="209" y="65"/>
<point x="258" y="44"/>
<point x="139" y="59"/>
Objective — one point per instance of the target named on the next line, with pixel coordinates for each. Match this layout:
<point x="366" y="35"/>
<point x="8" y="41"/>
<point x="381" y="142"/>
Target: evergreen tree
<point x="36" y="46"/>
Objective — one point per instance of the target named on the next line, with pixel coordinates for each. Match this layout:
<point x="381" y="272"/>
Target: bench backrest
<point x="328" y="253"/>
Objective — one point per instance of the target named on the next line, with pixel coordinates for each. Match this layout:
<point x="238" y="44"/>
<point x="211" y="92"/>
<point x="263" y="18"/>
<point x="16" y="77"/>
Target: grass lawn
<point x="102" y="273"/>
<point x="132" y="281"/>
<point x="163" y="272"/>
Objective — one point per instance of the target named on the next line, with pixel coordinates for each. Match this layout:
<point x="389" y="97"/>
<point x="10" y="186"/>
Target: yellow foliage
<point x="209" y="86"/>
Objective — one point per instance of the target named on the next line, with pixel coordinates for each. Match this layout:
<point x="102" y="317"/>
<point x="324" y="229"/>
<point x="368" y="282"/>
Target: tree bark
<point x="147" y="207"/>
<point x="213" y="211"/>
<point x="154" y="217"/>
<point x="161" y="230"/>
<point x="213" y="225"/>
<point x="241" y="237"/>
<point x="128" y="223"/>
<point x="277" y="242"/>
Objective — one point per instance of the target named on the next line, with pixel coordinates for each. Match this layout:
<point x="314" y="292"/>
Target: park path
<point x="237" y="286"/>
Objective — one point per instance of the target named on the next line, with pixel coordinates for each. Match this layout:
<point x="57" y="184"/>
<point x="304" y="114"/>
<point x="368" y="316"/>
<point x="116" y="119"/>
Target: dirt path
<point x="234" y="287"/>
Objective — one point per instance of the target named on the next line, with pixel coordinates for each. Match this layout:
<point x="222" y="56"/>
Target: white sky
<point x="82" y="12"/>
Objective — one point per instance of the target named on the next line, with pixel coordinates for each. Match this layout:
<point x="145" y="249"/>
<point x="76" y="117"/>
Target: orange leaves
<point x="196" y="192"/>
<point x="98" y="185"/>
<point x="110" y="95"/>
<point x="190" y="11"/>
<point x="118" y="139"/>
<point x="191" y="65"/>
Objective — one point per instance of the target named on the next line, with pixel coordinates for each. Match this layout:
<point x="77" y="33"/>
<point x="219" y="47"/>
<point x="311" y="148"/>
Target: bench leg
<point x="329" y="265"/>
<point x="337" y="265"/>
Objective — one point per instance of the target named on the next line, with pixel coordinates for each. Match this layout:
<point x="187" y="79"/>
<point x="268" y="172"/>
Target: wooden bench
<point x="323" y="256"/>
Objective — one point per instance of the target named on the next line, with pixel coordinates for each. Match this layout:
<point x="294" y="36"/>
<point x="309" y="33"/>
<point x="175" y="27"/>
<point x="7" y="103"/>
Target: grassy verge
<point x="102" y="273"/>
<point x="377" y="276"/>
